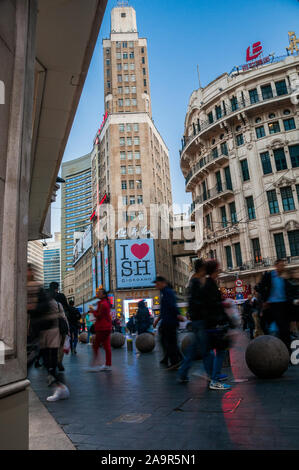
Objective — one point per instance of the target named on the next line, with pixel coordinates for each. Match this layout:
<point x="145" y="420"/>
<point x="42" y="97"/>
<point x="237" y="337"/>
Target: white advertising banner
<point x="135" y="263"/>
<point x="82" y="245"/>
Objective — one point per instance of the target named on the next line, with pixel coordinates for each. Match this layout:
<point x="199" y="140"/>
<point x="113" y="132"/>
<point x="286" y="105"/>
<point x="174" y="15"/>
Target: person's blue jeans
<point x="74" y="337"/>
<point x="212" y="361"/>
<point x="201" y="343"/>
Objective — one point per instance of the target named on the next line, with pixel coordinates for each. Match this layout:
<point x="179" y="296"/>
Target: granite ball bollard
<point x="83" y="337"/>
<point x="186" y="341"/>
<point x="267" y="357"/>
<point x="145" y="342"/>
<point x="117" y="340"/>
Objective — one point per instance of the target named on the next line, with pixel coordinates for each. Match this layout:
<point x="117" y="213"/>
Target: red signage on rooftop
<point x="256" y="51"/>
<point x="103" y="122"/>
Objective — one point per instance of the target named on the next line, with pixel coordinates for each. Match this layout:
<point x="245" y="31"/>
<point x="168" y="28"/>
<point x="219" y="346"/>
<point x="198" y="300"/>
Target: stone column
<point x="17" y="51"/>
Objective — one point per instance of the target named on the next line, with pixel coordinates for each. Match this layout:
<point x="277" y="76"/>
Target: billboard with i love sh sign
<point x="135" y="263"/>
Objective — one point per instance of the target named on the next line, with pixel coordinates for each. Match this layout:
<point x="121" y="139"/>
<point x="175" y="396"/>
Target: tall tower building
<point x="130" y="161"/>
<point x="76" y="206"/>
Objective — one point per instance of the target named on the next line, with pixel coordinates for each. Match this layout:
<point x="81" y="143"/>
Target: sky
<point x="181" y="35"/>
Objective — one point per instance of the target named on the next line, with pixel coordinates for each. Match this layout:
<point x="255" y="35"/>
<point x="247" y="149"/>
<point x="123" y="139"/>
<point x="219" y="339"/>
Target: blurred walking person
<point x="277" y="295"/>
<point x="60" y="299"/>
<point x="45" y="317"/>
<point x="248" y="321"/>
<point x="103" y="328"/>
<point x="143" y="318"/>
<point x="197" y="319"/>
<point x="218" y="324"/>
<point x="168" y="323"/>
<point x="74" y="317"/>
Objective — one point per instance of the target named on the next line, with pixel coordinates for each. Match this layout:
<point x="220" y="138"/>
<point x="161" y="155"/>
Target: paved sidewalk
<point x="164" y="415"/>
<point x="44" y="432"/>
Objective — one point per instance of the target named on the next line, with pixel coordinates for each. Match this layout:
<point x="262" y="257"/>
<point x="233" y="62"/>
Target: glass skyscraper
<point x="76" y="206"/>
<point x="52" y="262"/>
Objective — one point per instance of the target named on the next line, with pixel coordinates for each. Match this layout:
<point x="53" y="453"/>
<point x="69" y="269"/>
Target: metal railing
<point x="261" y="264"/>
<point x="217" y="190"/>
<point x="202" y="163"/>
<point x="231" y="109"/>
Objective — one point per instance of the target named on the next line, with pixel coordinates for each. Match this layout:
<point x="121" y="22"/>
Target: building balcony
<point x="219" y="192"/>
<point x="240" y="105"/>
<point x="259" y="265"/>
<point x="205" y="164"/>
<point x="211" y="236"/>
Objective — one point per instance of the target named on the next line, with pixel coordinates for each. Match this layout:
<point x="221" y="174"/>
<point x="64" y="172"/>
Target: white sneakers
<point x="61" y="393"/>
<point x="105" y="368"/>
<point x="98" y="368"/>
<point x="93" y="369"/>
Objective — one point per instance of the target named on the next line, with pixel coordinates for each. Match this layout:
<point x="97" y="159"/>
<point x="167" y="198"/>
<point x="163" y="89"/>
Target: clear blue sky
<point x="181" y="34"/>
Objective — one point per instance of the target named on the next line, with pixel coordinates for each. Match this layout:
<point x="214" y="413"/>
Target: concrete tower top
<point x="123" y="20"/>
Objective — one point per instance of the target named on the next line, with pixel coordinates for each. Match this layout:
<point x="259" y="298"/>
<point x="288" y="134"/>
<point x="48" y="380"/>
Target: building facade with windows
<point x="52" y="256"/>
<point x="76" y="201"/>
<point x="130" y="161"/>
<point x="240" y="158"/>
<point x="35" y="256"/>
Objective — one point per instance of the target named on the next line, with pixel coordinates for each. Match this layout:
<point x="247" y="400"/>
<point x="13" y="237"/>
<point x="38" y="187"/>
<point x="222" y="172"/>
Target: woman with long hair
<point x="103" y="328"/>
<point x="217" y="324"/>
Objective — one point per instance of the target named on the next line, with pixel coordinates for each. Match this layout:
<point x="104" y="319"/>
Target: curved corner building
<point x="240" y="158"/>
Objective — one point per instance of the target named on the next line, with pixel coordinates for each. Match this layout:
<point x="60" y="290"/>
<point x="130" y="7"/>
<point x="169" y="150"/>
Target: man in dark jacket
<point x="277" y="295"/>
<point x="169" y="321"/>
<point x="143" y="318"/>
<point x="198" y="325"/>
<point x="74" y="317"/>
<point x="248" y="321"/>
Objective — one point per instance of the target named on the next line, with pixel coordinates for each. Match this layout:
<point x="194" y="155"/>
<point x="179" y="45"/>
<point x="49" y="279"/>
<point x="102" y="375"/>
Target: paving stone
<point x="256" y="414"/>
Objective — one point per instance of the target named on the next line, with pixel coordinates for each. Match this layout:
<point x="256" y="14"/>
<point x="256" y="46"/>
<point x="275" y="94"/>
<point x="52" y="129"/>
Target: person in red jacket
<point x="103" y="328"/>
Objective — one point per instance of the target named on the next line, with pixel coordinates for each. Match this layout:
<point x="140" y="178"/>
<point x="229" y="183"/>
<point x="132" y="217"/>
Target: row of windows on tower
<point x="274" y="127"/>
<point x="130" y="170"/>
<point x="279" y="244"/>
<point x="287" y="201"/>
<point x="132" y="200"/>
<point x="124" y="184"/>
<point x="280" y="161"/>
<point x="128" y="141"/>
<point x="254" y="96"/>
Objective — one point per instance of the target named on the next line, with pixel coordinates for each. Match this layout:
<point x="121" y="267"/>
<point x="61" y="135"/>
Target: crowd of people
<point x="273" y="308"/>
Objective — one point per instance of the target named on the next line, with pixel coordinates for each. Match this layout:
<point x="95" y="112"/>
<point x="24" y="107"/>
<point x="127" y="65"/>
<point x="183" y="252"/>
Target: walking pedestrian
<point x="89" y="319"/>
<point x="143" y="318"/>
<point x="74" y="317"/>
<point x="277" y="295"/>
<point x="168" y="323"/>
<point x="35" y="293"/>
<point x="62" y="302"/>
<point x="217" y="324"/>
<point x="131" y="325"/>
<point x="248" y="321"/>
<point x="197" y="320"/>
<point x="45" y="319"/>
<point x="103" y="328"/>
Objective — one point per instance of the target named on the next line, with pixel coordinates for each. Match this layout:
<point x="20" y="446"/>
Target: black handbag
<point x="63" y="324"/>
<point x="219" y="338"/>
<point x="92" y="329"/>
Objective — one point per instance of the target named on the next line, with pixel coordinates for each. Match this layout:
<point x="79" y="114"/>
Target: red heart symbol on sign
<point x="140" y="251"/>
